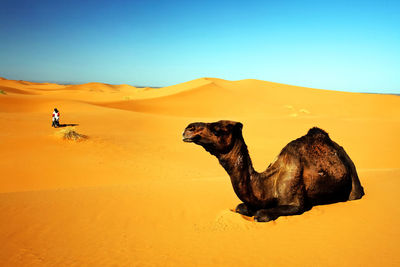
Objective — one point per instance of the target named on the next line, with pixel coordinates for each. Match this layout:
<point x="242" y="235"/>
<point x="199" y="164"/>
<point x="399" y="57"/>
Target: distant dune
<point x="132" y="193"/>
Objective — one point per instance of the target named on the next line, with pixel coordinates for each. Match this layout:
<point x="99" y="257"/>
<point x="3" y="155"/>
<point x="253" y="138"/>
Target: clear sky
<point x="340" y="45"/>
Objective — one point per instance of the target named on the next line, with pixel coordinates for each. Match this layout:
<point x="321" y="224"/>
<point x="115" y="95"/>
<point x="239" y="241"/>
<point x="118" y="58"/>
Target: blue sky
<point x="338" y="45"/>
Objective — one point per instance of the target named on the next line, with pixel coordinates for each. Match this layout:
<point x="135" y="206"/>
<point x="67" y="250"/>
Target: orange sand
<point x="134" y="194"/>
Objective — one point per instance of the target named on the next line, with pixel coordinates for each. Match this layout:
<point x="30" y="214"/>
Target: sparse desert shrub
<point x="69" y="133"/>
<point x="2" y="92"/>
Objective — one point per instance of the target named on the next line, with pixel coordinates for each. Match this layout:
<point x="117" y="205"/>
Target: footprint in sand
<point x="289" y="107"/>
<point x="303" y="110"/>
<point x="295" y="113"/>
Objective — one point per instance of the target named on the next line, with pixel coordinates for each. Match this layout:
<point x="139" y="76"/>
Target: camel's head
<point x="216" y="137"/>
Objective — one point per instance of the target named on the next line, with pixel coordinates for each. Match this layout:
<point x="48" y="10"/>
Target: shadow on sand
<point x="65" y="125"/>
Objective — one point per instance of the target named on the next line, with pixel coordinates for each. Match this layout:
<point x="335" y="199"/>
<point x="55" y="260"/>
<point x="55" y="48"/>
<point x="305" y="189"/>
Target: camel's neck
<point x="238" y="164"/>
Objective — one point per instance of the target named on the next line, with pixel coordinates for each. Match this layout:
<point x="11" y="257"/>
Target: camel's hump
<point x="316" y="132"/>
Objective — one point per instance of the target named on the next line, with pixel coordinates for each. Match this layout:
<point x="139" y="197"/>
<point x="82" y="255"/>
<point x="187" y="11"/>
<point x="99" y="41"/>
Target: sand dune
<point x="12" y="90"/>
<point x="29" y="85"/>
<point x="95" y="87"/>
<point x="134" y="194"/>
<point x="182" y="103"/>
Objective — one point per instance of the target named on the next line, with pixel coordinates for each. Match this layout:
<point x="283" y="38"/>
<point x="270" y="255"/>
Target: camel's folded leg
<point x="266" y="215"/>
<point x="245" y="210"/>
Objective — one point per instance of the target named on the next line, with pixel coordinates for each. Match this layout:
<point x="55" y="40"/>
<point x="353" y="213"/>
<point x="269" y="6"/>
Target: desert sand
<point x="134" y="194"/>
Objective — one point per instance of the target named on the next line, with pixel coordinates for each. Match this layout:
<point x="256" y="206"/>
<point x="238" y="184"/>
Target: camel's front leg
<point x="245" y="210"/>
<point x="266" y="215"/>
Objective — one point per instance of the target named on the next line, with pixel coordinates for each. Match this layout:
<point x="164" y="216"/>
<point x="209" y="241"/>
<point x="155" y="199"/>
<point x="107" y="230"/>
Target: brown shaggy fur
<point x="310" y="170"/>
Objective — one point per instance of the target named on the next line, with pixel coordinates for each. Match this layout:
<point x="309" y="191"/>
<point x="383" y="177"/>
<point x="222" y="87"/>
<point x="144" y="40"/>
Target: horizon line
<point x="158" y="87"/>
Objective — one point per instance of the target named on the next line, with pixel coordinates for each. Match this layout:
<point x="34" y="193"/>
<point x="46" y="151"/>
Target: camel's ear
<point x="239" y="126"/>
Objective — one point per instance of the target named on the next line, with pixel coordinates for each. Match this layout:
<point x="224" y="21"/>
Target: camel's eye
<point x="193" y="128"/>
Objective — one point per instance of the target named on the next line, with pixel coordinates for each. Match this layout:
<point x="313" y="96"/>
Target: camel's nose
<point x="189" y="132"/>
<point x="186" y="135"/>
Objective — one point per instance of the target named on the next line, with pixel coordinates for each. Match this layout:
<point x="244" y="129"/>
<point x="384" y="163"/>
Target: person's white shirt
<point x="56" y="116"/>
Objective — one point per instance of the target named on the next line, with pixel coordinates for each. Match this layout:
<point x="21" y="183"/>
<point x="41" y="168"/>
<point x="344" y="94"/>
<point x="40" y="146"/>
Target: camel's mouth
<point x="188" y="138"/>
<point x="190" y="135"/>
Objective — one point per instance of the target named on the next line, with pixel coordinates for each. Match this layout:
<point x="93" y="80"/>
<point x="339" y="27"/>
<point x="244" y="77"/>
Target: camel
<point x="311" y="170"/>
